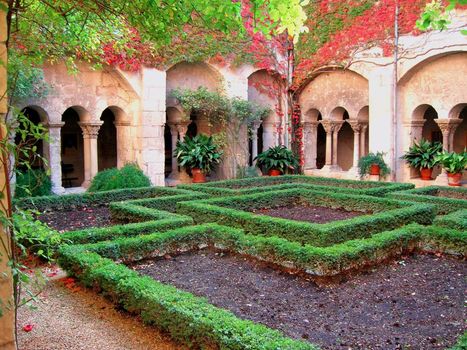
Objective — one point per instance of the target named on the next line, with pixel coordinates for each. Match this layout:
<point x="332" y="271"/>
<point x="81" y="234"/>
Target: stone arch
<point x="72" y="146"/>
<point x="459" y="136"/>
<point x="36" y="115"/>
<point x="107" y="145"/>
<point x="328" y="89"/>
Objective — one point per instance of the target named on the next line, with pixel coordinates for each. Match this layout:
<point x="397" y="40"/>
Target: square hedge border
<point x="67" y="201"/>
<point x="456" y="220"/>
<point x="269" y="183"/>
<point x="389" y="214"/>
<point x="192" y="320"/>
<point x="427" y="194"/>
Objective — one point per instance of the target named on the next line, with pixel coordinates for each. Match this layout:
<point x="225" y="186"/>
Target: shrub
<point x="32" y="183"/>
<point x="277" y="158"/>
<point x="130" y="176"/>
<point x="423" y="154"/>
<point x="199" y="152"/>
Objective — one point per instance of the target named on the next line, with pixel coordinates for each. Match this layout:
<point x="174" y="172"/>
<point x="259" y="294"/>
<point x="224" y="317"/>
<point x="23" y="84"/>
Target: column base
<point x="353" y="173"/>
<point x="331" y="168"/>
<point x="86" y="184"/>
<point x="58" y="189"/>
<point x="442" y="179"/>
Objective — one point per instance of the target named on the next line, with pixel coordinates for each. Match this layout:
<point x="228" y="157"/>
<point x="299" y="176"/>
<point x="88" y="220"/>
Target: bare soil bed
<point x="77" y="218"/>
<point x="417" y="303"/>
<point x="309" y="213"/>
<point x="452" y="194"/>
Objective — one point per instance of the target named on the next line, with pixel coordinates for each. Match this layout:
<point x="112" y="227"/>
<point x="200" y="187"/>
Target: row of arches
<point x="86" y="146"/>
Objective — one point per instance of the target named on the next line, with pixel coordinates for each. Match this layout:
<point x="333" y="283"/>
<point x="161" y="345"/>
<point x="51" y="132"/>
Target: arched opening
<point x="107" y="141"/>
<point x="345" y="144"/>
<point x="72" y="150"/>
<point x="320" y="144"/>
<point x="168" y="150"/>
<point x="431" y="131"/>
<point x="460" y="135"/>
<point x="35" y="159"/>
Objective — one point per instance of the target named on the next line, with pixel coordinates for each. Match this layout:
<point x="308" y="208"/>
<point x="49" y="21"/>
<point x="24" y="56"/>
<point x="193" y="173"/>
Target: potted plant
<point x="454" y="164"/>
<point x="277" y="160"/>
<point x="373" y="164"/>
<point x="200" y="154"/>
<point x="423" y="156"/>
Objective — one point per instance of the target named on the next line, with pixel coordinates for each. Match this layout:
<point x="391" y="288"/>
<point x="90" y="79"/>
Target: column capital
<point x="311" y="124"/>
<point x="448" y="125"/>
<point x="332" y="125"/>
<point x="357" y="125"/>
<point x="414" y="123"/>
<point x="90" y="129"/>
<point x="255" y="125"/>
<point x="182" y="126"/>
<point x="50" y="125"/>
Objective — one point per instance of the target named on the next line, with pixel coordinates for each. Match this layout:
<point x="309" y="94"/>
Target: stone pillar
<point x="357" y="129"/>
<point x="254" y="140"/>
<point x="310" y="135"/>
<point x="363" y="150"/>
<point x="122" y="142"/>
<point x="55" y="157"/>
<point x="174" y="174"/>
<point x="337" y="126"/>
<point x="90" y="133"/>
<point x="182" y="128"/>
<point x="328" y="128"/>
<point x="448" y="127"/>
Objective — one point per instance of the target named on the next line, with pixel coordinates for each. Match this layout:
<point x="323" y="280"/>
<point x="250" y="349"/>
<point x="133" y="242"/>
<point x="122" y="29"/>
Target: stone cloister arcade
<point x="102" y="119"/>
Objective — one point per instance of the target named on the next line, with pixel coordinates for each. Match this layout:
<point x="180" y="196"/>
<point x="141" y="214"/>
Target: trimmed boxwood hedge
<point x="444" y="205"/>
<point x="388" y="214"/>
<point x="96" y="198"/>
<point x="456" y="220"/>
<point x="259" y="184"/>
<point x="321" y="261"/>
<point x="188" y="319"/>
<point x="161" y="221"/>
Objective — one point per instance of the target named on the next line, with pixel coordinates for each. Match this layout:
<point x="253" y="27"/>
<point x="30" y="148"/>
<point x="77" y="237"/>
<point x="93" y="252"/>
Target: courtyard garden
<point x="286" y="262"/>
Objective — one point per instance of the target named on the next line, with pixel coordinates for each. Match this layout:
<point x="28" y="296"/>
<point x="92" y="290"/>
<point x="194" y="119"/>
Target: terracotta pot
<point x="374" y="169"/>
<point x="425" y="173"/>
<point x="198" y="176"/>
<point x="454" y="179"/>
<point x="274" y="172"/>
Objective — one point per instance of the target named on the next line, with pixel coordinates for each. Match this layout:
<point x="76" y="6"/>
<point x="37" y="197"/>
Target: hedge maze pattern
<point x="159" y="221"/>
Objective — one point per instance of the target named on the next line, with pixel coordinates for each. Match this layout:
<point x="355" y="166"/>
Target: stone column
<point x="337" y="126"/>
<point x="55" y="157"/>
<point x="328" y="128"/>
<point x="254" y="140"/>
<point x="448" y="127"/>
<point x="90" y="133"/>
<point x="357" y="129"/>
<point x="310" y="135"/>
<point x="363" y="139"/>
<point x="122" y="142"/>
<point x="182" y="128"/>
<point x="174" y="174"/>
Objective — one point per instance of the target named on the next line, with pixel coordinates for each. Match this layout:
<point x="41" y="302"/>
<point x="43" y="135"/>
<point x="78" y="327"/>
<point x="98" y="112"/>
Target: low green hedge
<point x="320" y="261"/>
<point x="188" y="319"/>
<point x="162" y="221"/>
<point x="252" y="185"/>
<point x="461" y="343"/>
<point x="429" y="194"/>
<point x="96" y="198"/>
<point x="456" y="220"/>
<point x="388" y="214"/>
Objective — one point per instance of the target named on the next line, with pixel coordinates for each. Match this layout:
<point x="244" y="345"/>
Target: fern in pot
<point x="200" y="154"/>
<point x="277" y="160"/>
<point x="423" y="156"/>
<point x="373" y="164"/>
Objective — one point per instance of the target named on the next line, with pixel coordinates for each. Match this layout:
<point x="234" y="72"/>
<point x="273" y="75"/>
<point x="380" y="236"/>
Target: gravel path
<point x="73" y="318"/>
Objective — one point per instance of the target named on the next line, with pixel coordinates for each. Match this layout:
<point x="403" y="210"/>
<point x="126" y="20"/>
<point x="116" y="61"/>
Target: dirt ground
<point x="78" y="218"/>
<point x="314" y="214"/>
<point x="415" y="303"/>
